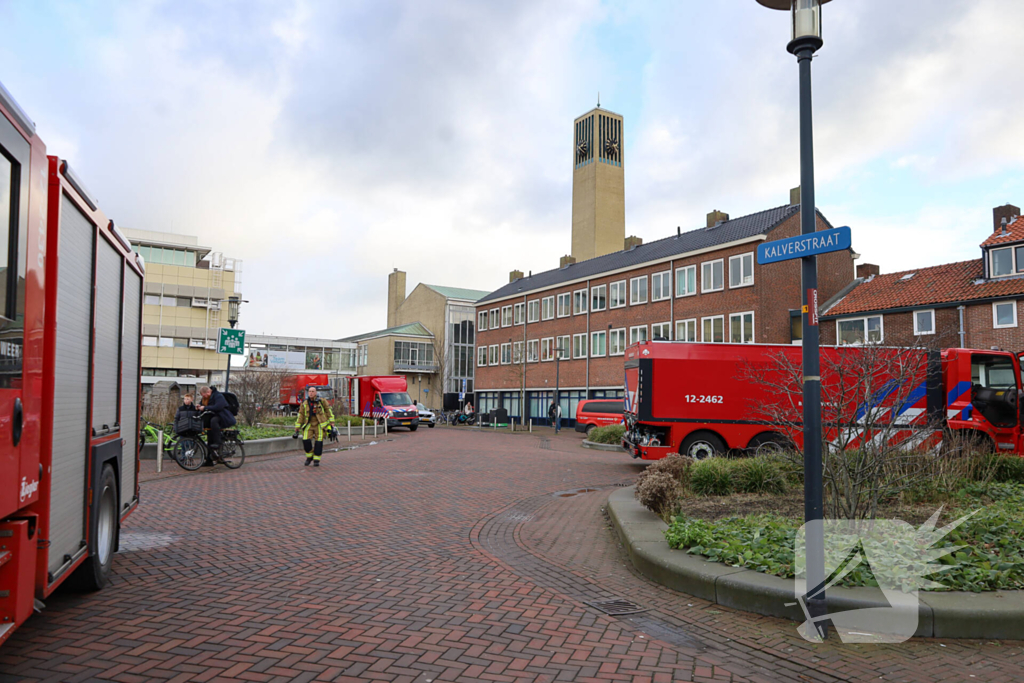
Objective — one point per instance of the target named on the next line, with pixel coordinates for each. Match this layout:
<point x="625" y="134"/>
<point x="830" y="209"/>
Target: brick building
<point x="702" y="285"/>
<point x="970" y="304"/>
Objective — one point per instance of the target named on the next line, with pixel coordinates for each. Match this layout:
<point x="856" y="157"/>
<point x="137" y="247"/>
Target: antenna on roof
<point x="598" y="99"/>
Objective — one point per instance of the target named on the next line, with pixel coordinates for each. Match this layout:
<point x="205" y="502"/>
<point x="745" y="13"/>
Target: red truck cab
<point x="384" y="398"/>
<point x="293" y="389"/>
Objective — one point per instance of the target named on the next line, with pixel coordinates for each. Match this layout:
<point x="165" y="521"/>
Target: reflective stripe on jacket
<point x="314" y="423"/>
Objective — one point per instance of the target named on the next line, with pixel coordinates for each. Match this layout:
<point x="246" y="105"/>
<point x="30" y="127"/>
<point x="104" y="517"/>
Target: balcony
<point x="415" y="366"/>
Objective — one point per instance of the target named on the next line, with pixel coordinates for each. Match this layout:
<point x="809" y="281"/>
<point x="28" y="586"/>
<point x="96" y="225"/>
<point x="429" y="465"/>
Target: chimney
<point x="396" y="295"/>
<point x="515" y="275"/>
<point x="866" y="270"/>
<point x="631" y="242"/>
<point x="1003" y="213"/>
<point x="794" y="196"/>
<point x="566" y="261"/>
<point x="716" y="217"/>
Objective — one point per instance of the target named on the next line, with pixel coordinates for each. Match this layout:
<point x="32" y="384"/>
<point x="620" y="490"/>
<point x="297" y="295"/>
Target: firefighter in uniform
<point x="315" y="421"/>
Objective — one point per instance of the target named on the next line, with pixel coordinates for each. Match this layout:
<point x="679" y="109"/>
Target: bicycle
<point x="191" y="450"/>
<point x="150" y="431"/>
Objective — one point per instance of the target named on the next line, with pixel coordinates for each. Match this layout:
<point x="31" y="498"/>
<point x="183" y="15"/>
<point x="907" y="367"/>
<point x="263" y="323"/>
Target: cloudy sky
<point x="326" y="142"/>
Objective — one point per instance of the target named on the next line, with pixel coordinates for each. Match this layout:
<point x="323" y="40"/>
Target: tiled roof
<point x="946" y="284"/>
<point x="458" y="292"/>
<point x="410" y="330"/>
<point x="702" y="238"/>
<point x="1014" y="233"/>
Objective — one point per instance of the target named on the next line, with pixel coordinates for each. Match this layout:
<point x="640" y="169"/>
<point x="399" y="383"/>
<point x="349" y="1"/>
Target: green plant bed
<point x="611" y="434"/>
<point x="252" y="433"/>
<point x="992" y="540"/>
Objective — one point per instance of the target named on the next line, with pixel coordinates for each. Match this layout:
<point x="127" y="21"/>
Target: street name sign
<point x="231" y="341"/>
<point x="817" y="243"/>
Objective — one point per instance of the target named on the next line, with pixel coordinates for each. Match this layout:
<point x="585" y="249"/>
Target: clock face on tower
<point x="581" y="150"/>
<point x="611" y="148"/>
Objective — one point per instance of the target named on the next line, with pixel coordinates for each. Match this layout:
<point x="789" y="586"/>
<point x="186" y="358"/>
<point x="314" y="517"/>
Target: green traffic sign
<point x="231" y="341"/>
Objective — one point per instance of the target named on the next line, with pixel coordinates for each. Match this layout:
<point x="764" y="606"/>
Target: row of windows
<point x="636" y="291"/>
<point x="179" y="342"/>
<point x="181" y="301"/>
<point x="614" y="342"/>
<point x="168" y="256"/>
<point x="870" y="329"/>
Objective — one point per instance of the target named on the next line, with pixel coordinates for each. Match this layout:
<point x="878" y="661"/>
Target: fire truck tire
<point x="413" y="428"/>
<point x="702" y="445"/>
<point x="95" y="571"/>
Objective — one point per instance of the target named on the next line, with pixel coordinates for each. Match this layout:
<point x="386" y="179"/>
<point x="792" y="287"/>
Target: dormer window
<point x="1006" y="261"/>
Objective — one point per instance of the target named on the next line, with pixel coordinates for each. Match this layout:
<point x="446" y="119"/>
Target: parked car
<point x="427" y="417"/>
<point x="598" y="413"/>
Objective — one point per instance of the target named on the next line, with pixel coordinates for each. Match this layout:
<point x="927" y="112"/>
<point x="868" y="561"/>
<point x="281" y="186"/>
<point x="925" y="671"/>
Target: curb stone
<point x="996" y="615"/>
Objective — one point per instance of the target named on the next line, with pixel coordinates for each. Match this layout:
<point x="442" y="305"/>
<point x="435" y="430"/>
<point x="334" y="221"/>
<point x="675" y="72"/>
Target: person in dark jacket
<point x="186" y="408"/>
<point x="216" y="407"/>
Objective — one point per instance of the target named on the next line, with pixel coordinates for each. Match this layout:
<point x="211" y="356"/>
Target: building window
<point x="533" y="311"/>
<point x="517" y="352"/>
<point x="547" y="308"/>
<point x="149" y="341"/>
<point x="413" y="354"/>
<point x="638" y="290"/>
<point x="741" y="270"/>
<point x="506" y="316"/>
<point x="152" y="300"/>
<point x="617" y="294"/>
<point x="563" y="347"/>
<point x="494" y="354"/>
<point x="714" y="329"/>
<point x="617" y="342"/>
<point x="924" y="322"/>
<point x="481" y="320"/>
<point x="741" y="328"/>
<point x="166" y="342"/>
<point x="579" y="345"/>
<point x="1002" y="261"/>
<point x="520" y="313"/>
<point x="547" y="349"/>
<point x="597" y="344"/>
<point x="533" y="351"/>
<point x="686" y="281"/>
<point x="661" y="331"/>
<point x="859" y="330"/>
<point x="661" y="286"/>
<point x="481" y="356"/>
<point x="564" y="305"/>
<point x="711" y="276"/>
<point x="506" y="354"/>
<point x="495" y="319"/>
<point x="1004" y="314"/>
<point x="637" y="334"/>
<point x="598" y="298"/>
<point x="686" y="330"/>
<point x="579" y="302"/>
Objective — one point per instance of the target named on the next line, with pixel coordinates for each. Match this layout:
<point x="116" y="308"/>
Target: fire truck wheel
<point x="702" y="445"/>
<point x="413" y="428"/>
<point x="95" y="571"/>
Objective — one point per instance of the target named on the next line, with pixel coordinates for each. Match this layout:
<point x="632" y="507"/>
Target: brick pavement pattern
<point x="440" y="556"/>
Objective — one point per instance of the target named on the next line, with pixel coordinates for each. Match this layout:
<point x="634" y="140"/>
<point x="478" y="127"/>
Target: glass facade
<point x="460" y="342"/>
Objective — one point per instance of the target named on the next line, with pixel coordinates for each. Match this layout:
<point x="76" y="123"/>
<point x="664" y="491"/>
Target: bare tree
<point x="874" y="438"/>
<point x="444" y="361"/>
<point x="258" y="393"/>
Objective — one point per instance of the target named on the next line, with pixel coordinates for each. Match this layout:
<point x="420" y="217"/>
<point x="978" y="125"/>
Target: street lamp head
<point x="806" y="21"/>
<point x="233" y="302"/>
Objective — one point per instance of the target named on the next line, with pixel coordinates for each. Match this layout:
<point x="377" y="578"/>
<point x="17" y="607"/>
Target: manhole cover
<point x="617" y="606"/>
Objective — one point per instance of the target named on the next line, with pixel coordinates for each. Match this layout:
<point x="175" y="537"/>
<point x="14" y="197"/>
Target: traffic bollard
<point x="350" y="430"/>
<point x="160" y="450"/>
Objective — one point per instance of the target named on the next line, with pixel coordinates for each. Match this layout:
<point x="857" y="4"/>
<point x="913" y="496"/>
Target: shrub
<point x="711" y="477"/>
<point x="611" y="434"/>
<point x="657" y="491"/>
<point x="758" y="475"/>
<point x="1007" y="468"/>
<point x="678" y="466"/>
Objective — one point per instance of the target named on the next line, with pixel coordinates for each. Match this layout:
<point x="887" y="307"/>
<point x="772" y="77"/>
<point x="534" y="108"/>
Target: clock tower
<point x="598" y="187"/>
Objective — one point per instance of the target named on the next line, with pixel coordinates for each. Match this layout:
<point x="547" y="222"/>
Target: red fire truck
<point x="706" y="399"/>
<point x="70" y="339"/>
<point x="293" y="389"/>
<point x="383" y="397"/>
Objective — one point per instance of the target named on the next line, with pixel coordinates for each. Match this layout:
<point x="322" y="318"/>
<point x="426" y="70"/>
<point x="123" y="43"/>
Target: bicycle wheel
<point x="190" y="453"/>
<point x="232" y="453"/>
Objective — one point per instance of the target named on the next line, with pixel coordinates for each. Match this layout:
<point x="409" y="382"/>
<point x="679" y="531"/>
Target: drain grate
<point x="617" y="606"/>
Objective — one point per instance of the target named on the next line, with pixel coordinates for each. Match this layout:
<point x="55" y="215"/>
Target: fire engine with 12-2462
<point x="70" y="342"/>
<point x="703" y="400"/>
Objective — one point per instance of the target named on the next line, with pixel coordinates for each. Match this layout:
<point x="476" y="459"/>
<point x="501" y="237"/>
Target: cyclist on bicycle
<point x="314" y="421"/>
<point x="216" y="414"/>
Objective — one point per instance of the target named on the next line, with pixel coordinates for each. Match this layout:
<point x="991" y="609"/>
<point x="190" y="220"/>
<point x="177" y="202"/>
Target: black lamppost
<point x="233" y="303"/>
<point x="806" y="40"/>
